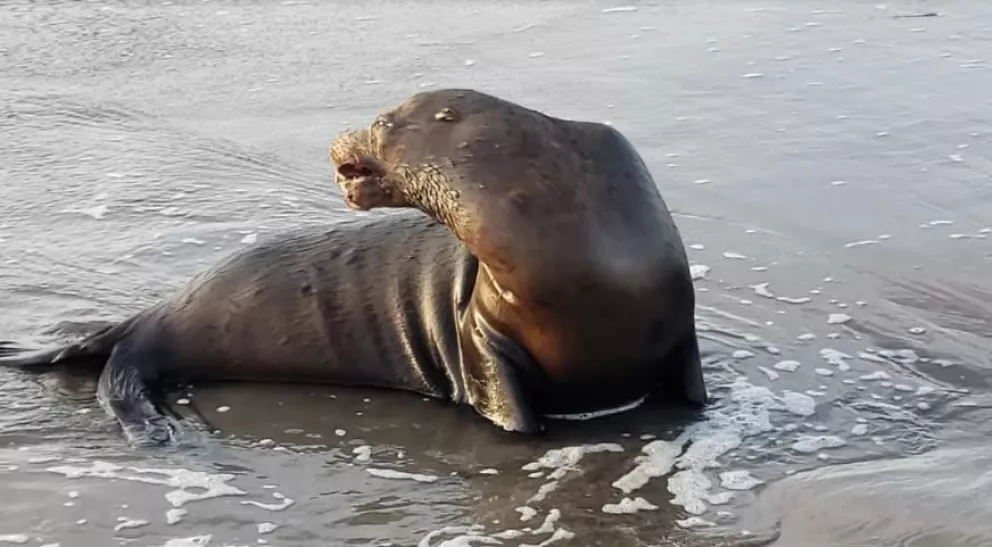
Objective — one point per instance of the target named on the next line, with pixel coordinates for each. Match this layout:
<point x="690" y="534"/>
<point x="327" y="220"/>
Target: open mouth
<point x="361" y="181"/>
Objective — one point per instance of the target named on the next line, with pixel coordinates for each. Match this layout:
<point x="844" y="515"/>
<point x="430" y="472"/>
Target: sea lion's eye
<point x="445" y="115"/>
<point x="383" y="123"/>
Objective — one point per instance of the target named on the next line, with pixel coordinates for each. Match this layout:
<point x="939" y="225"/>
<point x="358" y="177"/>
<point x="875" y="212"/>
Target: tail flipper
<point x="99" y="344"/>
<point x="8" y="348"/>
<point x="11" y="356"/>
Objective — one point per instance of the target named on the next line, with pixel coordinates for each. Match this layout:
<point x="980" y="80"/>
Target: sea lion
<point x="583" y="297"/>
<point x="546" y="278"/>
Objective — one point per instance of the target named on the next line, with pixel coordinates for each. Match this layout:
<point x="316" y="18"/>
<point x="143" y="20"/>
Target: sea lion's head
<point x="421" y="152"/>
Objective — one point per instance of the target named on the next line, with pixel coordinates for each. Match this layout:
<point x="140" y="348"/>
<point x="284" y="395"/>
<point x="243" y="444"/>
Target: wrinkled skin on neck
<point x="424" y="187"/>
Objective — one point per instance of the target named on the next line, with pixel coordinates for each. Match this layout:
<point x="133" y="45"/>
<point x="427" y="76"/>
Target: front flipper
<point x="125" y="391"/>
<point x="682" y="372"/>
<point x="492" y="368"/>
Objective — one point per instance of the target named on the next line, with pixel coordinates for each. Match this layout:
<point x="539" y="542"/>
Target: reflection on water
<point x="829" y="169"/>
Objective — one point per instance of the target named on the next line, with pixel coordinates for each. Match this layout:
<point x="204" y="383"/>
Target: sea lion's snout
<point x="364" y="184"/>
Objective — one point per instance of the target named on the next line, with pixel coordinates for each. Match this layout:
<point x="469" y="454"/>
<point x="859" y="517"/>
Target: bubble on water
<point x="836" y="358"/>
<point x="761" y="289"/>
<point x="489" y="471"/>
<point x="771" y="374"/>
<point x="526" y="512"/>
<point x="794" y="300"/>
<point x="808" y="444"/>
<point x="806" y="337"/>
<point x="627" y="506"/>
<point x="656" y="460"/>
<point x="266" y="527"/>
<point x="698" y="271"/>
<point x="619" y="9"/>
<point x="720" y="498"/>
<point x="838" y="318"/>
<point x="340" y="432"/>
<point x="193" y="541"/>
<point x="284" y="503"/>
<point x="697" y="246"/>
<point x="401" y="475"/>
<point x="249" y="239"/>
<point x="18" y="539"/>
<point x="738" y="480"/>
<point x="536" y="54"/>
<point x="742" y="354"/>
<point x="798" y="403"/>
<point x="824" y="372"/>
<point x="173" y="516"/>
<point x="362" y="453"/>
<point x="734" y="256"/>
<point x="752" y="75"/>
<point x="787" y="365"/>
<point x="124" y="523"/>
<point x="694" y="522"/>
<point x="861" y="243"/>
<point x="901" y="356"/>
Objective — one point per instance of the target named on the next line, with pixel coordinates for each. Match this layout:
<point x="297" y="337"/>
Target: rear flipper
<point x="8" y="348"/>
<point x="125" y="390"/>
<point x="682" y="373"/>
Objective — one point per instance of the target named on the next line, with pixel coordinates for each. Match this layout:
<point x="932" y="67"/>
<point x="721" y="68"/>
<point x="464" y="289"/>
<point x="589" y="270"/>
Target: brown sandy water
<point x="830" y="164"/>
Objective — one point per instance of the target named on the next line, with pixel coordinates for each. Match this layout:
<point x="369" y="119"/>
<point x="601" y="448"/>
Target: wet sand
<point x="829" y="164"/>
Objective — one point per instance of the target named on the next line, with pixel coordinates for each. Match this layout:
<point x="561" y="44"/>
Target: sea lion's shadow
<point x="337" y="417"/>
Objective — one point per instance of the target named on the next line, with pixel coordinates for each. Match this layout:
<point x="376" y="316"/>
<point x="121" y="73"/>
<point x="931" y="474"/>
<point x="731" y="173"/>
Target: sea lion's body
<point x="373" y="301"/>
<point x="553" y="282"/>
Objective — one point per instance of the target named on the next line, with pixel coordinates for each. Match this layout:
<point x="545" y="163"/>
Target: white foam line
<point x="393" y="474"/>
<point x="214" y="484"/>
<point x="657" y="460"/>
<point x="628" y="506"/>
<point x="549" y="522"/>
<point x="598" y="413"/>
<point x="283" y="504"/>
<point x="561" y="460"/>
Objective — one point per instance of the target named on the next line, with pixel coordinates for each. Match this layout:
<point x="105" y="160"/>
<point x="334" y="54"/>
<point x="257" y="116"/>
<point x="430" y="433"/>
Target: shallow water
<point x="829" y="163"/>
